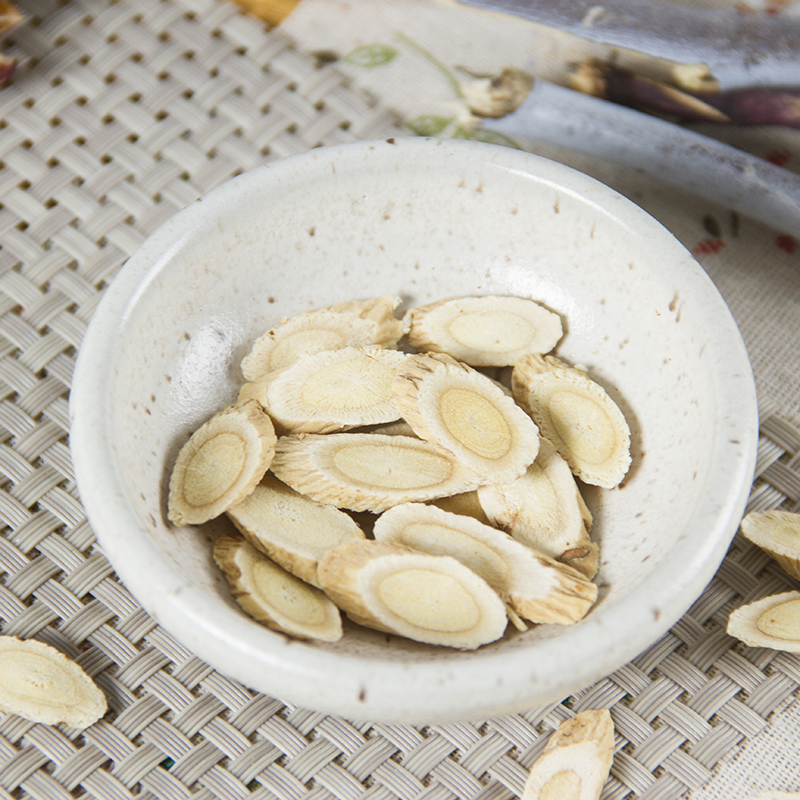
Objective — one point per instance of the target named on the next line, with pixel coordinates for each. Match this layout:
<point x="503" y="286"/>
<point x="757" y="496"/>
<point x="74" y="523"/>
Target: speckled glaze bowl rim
<point x="484" y="684"/>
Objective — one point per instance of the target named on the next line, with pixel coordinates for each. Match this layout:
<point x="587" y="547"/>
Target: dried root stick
<point x="293" y="530"/>
<point x="576" y="414"/>
<point x="273" y="596"/>
<point x="39" y="683"/>
<point x="536" y="587"/>
<point x="770" y="622"/>
<point x="220" y="464"/>
<point x="331" y="391"/>
<point x="776" y="533"/>
<point x="368" y="471"/>
<point x="349" y="324"/>
<point x="432" y="599"/>
<point x="490" y="331"/>
<point x="576" y="761"/>
<point x="544" y="509"/>
<point x="460" y="409"/>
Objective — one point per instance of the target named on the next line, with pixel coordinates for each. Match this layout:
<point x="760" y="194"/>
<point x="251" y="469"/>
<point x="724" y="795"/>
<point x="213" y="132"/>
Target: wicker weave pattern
<point x="120" y="115"/>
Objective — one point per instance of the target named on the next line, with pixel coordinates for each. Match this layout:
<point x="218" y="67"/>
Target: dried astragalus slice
<point x="432" y="599"/>
<point x="536" y="587"/>
<point x="220" y="464"/>
<point x="273" y="596"/>
<point x="576" y="414"/>
<point x="368" y="471"/>
<point x="292" y="529"/>
<point x="770" y="622"/>
<point x="489" y="331"/>
<point x="575" y="763"/>
<point x="460" y="409"/>
<point x="777" y="533"/>
<point x="331" y="391"/>
<point x="41" y="684"/>
<point x="544" y="509"/>
<point x="349" y="324"/>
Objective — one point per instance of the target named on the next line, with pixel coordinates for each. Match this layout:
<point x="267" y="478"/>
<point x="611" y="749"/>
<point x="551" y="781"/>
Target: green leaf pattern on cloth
<point x="370" y="56"/>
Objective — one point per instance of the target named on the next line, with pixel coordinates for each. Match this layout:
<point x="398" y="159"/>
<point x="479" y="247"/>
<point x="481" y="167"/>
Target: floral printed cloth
<point x="414" y="56"/>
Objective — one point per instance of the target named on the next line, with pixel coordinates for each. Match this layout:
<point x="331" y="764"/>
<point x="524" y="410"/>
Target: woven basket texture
<point x="120" y="114"/>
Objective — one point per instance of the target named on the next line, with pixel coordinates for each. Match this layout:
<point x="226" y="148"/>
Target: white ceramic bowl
<point x="424" y="219"/>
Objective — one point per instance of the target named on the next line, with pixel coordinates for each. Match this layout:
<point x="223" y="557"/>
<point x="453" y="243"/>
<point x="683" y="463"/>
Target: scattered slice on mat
<point x="41" y="684"/>
<point x="576" y="761"/>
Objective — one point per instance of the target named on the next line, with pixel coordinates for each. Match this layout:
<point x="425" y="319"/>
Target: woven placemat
<point x="121" y="113"/>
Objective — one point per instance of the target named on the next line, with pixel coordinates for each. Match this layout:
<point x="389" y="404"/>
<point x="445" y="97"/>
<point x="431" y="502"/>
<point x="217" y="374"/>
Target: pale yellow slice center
<point x="564" y="785"/>
<point x="214" y="469"/>
<point x="439" y="540"/>
<point x="491" y="331"/>
<point x="32" y="678"/>
<point x="429" y="600"/>
<point x="356" y="383"/>
<point x="583" y="426"/>
<point x="390" y="467"/>
<point x="786" y="535"/>
<point x="287" y="595"/>
<point x="475" y="422"/>
<point x="306" y="343"/>
<point x="782" y="621"/>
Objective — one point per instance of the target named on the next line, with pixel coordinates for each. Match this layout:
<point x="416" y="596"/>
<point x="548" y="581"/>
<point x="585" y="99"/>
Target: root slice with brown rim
<point x="460" y="409"/>
<point x="349" y="324"/>
<point x="576" y="414"/>
<point x="777" y="533"/>
<point x="273" y="596"/>
<point x="41" y="684"/>
<point x="575" y="763"/>
<point x="544" y="509"/>
<point x="220" y="464"/>
<point x="293" y="530"/>
<point x="770" y="622"/>
<point x="368" y="471"/>
<point x="488" y="331"/>
<point x="332" y="390"/>
<point x="432" y="599"/>
<point x="536" y="587"/>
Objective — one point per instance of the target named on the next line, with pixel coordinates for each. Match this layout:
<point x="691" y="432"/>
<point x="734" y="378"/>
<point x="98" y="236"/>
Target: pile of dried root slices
<point x="479" y="520"/>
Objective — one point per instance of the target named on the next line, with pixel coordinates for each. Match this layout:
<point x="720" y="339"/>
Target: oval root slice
<point x="778" y="534"/>
<point x="220" y="464"/>
<point x="293" y="530"/>
<point x="273" y="596"/>
<point x="40" y="684"/>
<point x="431" y="599"/>
<point x="460" y="409"/>
<point x="331" y="391"/>
<point x="367" y="471"/>
<point x="770" y="622"/>
<point x="536" y="587"/>
<point x="348" y="324"/>
<point x="487" y="331"/>
<point x="576" y="760"/>
<point x="577" y="415"/>
<point x="544" y="509"/>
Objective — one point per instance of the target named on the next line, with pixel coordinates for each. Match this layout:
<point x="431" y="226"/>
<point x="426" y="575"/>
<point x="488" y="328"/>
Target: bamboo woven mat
<point x="121" y="113"/>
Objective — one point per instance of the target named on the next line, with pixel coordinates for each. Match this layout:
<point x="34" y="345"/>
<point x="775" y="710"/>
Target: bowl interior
<point x="422" y="220"/>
